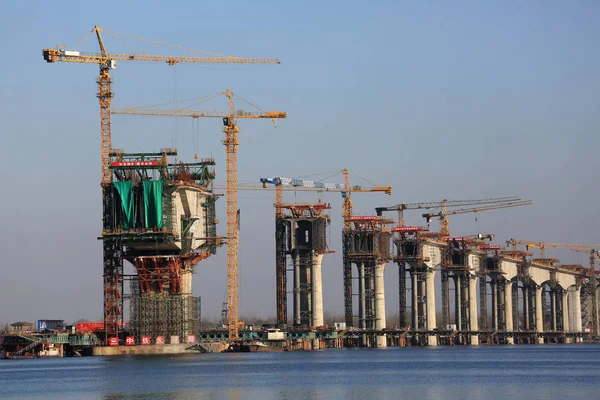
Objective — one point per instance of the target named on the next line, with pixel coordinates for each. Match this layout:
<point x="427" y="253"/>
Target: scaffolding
<point x="162" y="314"/>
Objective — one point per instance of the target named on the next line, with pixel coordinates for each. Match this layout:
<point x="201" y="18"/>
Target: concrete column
<point x="553" y="307"/>
<point x="539" y="312"/>
<point x="473" y="319"/>
<point x="457" y="302"/>
<point x="509" y="310"/>
<point x="373" y="296"/>
<point x="296" y="289"/>
<point x="565" y="311"/>
<point x="526" y="307"/>
<point x="577" y="312"/>
<point x="380" y="322"/>
<point x="494" y="305"/>
<point x="317" y="290"/>
<point x="423" y="292"/>
<point x="361" y="295"/>
<point x="430" y="296"/>
<point x="415" y="302"/>
<point x="308" y="269"/>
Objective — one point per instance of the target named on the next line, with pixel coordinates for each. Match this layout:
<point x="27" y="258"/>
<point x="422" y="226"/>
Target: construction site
<point x="159" y="214"/>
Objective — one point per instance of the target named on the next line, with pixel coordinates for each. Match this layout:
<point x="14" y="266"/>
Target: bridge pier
<point x="574" y="297"/>
<point x="430" y="303"/>
<point x="539" y="313"/>
<point x="565" y="312"/>
<point x="380" y="322"/>
<point x="474" y="326"/>
<point x="508" y="302"/>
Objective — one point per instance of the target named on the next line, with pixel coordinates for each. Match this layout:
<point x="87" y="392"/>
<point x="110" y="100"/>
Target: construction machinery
<point x="231" y="143"/>
<point x="440" y="204"/>
<point x="443" y="215"/>
<point x="543" y="245"/>
<point x="113" y="268"/>
<point x="108" y="61"/>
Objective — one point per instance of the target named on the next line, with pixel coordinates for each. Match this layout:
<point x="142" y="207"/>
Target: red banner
<point x="134" y="163"/>
<point x="130" y="341"/>
<point x="160" y="340"/>
<point x="364" y="218"/>
<point x="490" y="247"/>
<point x="408" y="229"/>
<point x="113" y="341"/>
<point x="145" y="340"/>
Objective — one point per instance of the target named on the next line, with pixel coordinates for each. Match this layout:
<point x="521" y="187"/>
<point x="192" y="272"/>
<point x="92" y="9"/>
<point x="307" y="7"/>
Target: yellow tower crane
<point x="231" y="143"/>
<point x="544" y="245"/>
<point x="107" y="61"/>
<point x="347" y="208"/>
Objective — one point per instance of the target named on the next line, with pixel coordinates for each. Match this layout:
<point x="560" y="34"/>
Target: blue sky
<point x="454" y="100"/>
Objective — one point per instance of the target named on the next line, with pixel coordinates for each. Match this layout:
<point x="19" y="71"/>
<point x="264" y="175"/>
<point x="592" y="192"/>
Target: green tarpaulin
<point x="153" y="204"/>
<point x="125" y="190"/>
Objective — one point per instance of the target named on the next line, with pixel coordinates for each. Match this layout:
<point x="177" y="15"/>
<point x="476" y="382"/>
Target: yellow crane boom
<point x="231" y="143"/>
<point x="347" y="208"/>
<point x="443" y="215"/>
<point x="107" y="61"/>
<point x="543" y="245"/>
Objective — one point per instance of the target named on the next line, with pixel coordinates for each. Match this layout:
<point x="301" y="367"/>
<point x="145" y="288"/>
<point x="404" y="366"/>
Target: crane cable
<point x="166" y="44"/>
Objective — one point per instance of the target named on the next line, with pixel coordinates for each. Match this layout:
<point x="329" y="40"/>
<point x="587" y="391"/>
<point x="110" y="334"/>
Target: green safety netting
<point x="153" y="203"/>
<point x="125" y="190"/>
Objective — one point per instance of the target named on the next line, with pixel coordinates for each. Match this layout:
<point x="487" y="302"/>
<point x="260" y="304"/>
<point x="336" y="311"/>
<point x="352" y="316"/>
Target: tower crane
<point x="443" y="215"/>
<point x="113" y="268"/>
<point x="347" y="212"/>
<point x="231" y="143"/>
<point x="108" y="61"/>
<point x="543" y="245"/>
<point x="441" y="204"/>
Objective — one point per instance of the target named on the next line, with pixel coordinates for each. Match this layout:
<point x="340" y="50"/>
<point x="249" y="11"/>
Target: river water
<point x="486" y="372"/>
